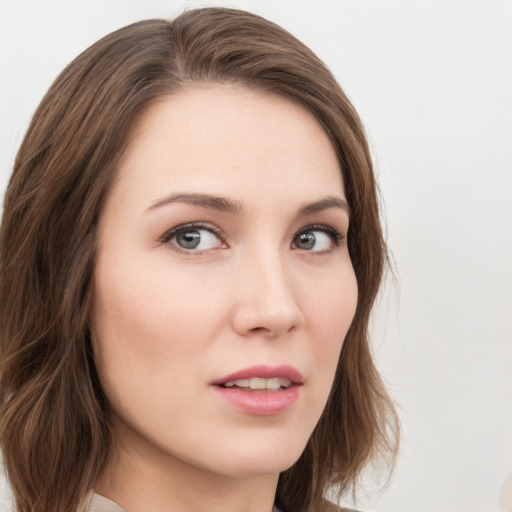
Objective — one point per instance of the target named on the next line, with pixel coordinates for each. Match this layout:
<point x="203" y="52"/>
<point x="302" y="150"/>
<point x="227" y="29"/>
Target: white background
<point x="432" y="80"/>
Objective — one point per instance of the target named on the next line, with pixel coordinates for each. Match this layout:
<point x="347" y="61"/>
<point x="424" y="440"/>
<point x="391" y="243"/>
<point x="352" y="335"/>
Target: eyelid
<point x="190" y="226"/>
<point x="334" y="234"/>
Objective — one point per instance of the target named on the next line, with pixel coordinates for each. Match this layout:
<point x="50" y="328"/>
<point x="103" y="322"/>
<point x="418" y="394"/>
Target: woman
<point x="190" y="252"/>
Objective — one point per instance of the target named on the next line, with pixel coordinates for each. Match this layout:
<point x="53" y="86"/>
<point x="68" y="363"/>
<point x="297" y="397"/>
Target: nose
<point x="266" y="301"/>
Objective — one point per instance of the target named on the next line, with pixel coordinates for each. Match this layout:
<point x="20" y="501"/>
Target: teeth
<point x="257" y="383"/>
<point x="274" y="383"/>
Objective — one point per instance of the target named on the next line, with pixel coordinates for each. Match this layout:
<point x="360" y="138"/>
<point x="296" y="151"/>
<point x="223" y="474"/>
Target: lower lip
<point x="260" y="402"/>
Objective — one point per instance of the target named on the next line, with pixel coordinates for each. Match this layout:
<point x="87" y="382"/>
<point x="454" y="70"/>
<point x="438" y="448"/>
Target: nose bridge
<point x="273" y="276"/>
<point x="267" y="298"/>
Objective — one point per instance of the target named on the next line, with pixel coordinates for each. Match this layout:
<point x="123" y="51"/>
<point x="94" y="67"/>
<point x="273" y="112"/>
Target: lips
<point x="263" y="372"/>
<point x="273" y="384"/>
<point x="261" y="390"/>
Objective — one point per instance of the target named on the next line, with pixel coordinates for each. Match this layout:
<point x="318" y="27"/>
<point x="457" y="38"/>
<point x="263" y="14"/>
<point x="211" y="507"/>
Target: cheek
<point x="152" y="320"/>
<point x="332" y="309"/>
<point x="147" y="337"/>
<point x="332" y="303"/>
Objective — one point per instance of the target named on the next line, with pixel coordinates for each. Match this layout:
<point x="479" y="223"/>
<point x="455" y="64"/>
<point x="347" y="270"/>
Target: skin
<point x="168" y="321"/>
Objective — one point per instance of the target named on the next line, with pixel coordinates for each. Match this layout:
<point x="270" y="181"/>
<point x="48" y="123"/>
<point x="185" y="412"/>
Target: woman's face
<point x="223" y="286"/>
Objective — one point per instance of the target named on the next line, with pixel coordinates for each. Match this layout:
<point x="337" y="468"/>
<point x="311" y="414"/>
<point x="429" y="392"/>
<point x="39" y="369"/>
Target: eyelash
<point x="166" y="238"/>
<point x="334" y="235"/>
<point x="191" y="226"/>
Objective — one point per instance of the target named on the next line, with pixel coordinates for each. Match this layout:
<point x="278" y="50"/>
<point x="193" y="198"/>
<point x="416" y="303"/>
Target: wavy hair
<point x="54" y="417"/>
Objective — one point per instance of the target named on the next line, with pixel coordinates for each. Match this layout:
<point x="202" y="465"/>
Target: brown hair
<point x="54" y="424"/>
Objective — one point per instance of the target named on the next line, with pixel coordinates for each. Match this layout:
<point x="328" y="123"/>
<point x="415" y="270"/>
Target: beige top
<point x="98" y="503"/>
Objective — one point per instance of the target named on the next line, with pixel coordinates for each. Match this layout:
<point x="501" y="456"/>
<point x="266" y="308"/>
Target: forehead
<point x="228" y="139"/>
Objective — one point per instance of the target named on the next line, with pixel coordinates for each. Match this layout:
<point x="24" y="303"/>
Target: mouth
<point x="266" y="378"/>
<point x="259" y="384"/>
<point x="261" y="390"/>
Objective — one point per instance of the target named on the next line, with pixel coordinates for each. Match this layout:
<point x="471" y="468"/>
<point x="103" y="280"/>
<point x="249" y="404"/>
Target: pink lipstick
<point x="261" y="390"/>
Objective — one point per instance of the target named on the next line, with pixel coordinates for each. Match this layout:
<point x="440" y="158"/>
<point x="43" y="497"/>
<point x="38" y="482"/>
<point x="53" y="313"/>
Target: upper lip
<point x="264" y="372"/>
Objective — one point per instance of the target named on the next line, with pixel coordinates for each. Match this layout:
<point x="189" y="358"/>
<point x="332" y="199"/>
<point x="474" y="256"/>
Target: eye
<point x="317" y="239"/>
<point x="193" y="238"/>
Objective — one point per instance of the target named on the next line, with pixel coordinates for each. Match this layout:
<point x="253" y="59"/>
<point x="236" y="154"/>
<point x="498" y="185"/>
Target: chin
<point x="257" y="460"/>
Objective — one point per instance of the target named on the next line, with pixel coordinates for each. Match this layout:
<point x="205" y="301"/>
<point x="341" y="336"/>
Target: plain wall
<point x="432" y="80"/>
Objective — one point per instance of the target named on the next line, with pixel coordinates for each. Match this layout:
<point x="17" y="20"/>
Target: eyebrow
<point x="203" y="200"/>
<point x="324" y="204"/>
<point x="223" y="204"/>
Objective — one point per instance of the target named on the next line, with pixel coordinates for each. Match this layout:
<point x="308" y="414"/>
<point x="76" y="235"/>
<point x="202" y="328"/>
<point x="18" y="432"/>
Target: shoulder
<point x="327" y="506"/>
<point x="97" y="503"/>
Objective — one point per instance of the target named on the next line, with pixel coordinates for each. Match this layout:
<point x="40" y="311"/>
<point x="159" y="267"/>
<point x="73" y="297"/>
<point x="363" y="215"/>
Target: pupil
<point x="307" y="240"/>
<point x="189" y="239"/>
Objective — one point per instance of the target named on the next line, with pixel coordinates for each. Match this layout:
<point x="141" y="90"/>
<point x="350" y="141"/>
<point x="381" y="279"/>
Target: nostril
<point x="263" y="331"/>
<point x="268" y="314"/>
